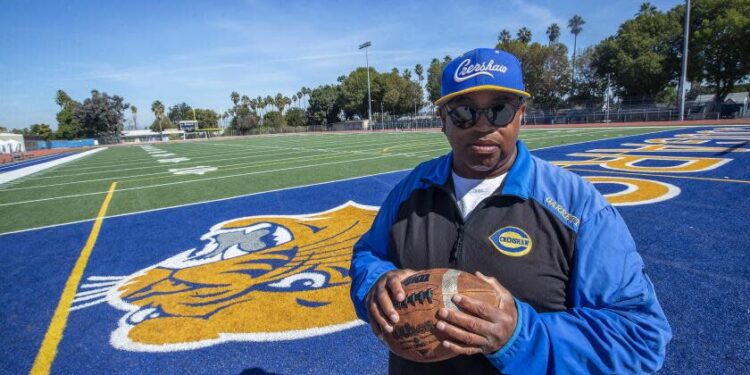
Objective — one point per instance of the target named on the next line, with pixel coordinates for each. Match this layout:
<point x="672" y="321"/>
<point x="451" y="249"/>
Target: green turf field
<point x="74" y="191"/>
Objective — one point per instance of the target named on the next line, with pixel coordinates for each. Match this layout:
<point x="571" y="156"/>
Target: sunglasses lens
<point x="463" y="116"/>
<point x="502" y="114"/>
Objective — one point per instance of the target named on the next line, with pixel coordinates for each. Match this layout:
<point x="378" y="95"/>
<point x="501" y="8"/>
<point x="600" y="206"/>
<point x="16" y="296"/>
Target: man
<point x="572" y="293"/>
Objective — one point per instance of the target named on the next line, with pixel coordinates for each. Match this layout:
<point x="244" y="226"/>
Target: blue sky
<point x="200" y="51"/>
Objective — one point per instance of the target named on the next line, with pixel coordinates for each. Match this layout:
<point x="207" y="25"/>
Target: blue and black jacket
<point x="585" y="304"/>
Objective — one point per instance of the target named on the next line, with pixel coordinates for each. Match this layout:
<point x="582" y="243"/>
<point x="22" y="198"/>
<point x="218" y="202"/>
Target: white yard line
<point x="298" y="186"/>
<point x="23" y="172"/>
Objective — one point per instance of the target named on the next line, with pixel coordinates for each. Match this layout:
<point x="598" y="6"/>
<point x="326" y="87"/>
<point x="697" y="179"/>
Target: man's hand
<point x="479" y="327"/>
<point x="380" y="299"/>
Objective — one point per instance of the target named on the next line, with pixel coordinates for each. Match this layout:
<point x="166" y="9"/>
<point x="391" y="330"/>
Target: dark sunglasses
<point x="499" y="115"/>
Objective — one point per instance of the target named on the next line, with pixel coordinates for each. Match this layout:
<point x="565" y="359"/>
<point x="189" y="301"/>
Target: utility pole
<point x="367" y="60"/>
<point x="683" y="76"/>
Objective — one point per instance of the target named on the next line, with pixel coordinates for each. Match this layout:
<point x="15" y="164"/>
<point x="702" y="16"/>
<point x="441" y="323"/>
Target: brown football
<point x="416" y="336"/>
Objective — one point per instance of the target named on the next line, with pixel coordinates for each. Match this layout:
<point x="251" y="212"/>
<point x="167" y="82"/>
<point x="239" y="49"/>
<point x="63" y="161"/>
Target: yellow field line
<point x="48" y="350"/>
<point x="713" y="179"/>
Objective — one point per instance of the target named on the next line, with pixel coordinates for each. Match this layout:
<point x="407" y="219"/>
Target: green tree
<point x="434" y="75"/>
<point x="504" y="37"/>
<point x="68" y="126"/>
<point x="553" y="33"/>
<point x="546" y="70"/>
<point x="207" y="118"/>
<point x="354" y="92"/>
<point x="575" y="24"/>
<point x="42" y="130"/>
<point x="324" y="105"/>
<point x="3" y="129"/>
<point x="180" y="112"/>
<point x="274" y="119"/>
<point x="101" y="115"/>
<point x="161" y="122"/>
<point x="642" y="56"/>
<point x="243" y="113"/>
<point x="719" y="43"/>
<point x="591" y="85"/>
<point x="296" y="117"/>
<point x="524" y="35"/>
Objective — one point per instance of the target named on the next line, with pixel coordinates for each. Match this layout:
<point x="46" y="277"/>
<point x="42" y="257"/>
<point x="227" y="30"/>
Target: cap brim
<point x="444" y="99"/>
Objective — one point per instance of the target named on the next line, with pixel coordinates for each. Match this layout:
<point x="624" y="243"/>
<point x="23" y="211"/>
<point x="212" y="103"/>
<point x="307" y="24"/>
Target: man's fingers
<point x="465" y="321"/>
<point x="460" y="349"/>
<point x="377" y="315"/>
<point x="386" y="305"/>
<point x="476" y="308"/>
<point x="397" y="291"/>
<point x="462" y="336"/>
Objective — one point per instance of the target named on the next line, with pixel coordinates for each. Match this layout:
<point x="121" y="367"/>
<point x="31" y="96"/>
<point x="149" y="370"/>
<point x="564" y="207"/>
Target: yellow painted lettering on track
<point x="48" y="350"/>
<point x="630" y="163"/>
<point x="677" y="141"/>
<point x="639" y="147"/>
<point x="637" y="190"/>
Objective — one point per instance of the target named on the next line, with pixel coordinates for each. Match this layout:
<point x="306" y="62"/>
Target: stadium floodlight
<point x="683" y="75"/>
<point x="367" y="61"/>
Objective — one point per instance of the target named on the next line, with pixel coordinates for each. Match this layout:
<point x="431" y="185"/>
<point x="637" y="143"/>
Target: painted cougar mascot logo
<point x="257" y="278"/>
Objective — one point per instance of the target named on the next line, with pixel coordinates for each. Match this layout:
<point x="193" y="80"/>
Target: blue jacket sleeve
<point x="615" y="324"/>
<point x="370" y="254"/>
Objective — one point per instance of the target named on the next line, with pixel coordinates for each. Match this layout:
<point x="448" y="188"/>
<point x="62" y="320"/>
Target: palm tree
<point x="269" y="101"/>
<point x="158" y="108"/>
<point x="294" y="99"/>
<point x="524" y="35"/>
<point x="134" y="111"/>
<point x="279" y="102"/>
<point x="299" y="97"/>
<point x="646" y="7"/>
<point x="553" y="33"/>
<point x="235" y="96"/>
<point x="575" y="24"/>
<point x="504" y="36"/>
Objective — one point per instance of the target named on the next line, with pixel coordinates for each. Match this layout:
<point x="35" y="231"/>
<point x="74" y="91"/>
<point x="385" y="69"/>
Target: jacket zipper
<point x="458" y="245"/>
<point x="457" y="249"/>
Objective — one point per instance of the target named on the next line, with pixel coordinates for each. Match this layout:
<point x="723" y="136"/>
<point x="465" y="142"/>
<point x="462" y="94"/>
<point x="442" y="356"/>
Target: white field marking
<point x="173" y="160"/>
<point x="261" y="163"/>
<point x="109" y="166"/>
<point x="79" y="298"/>
<point x="92" y="291"/>
<point x="213" y="178"/>
<point x="101" y="278"/>
<point x="22" y="172"/>
<point x="199" y="170"/>
<point x="164" y="155"/>
<point x="227" y="167"/>
<point x="314" y="184"/>
<point x="296" y="140"/>
<point x="85" y="305"/>
<point x="224" y="167"/>
<point x="25" y="162"/>
<point x="98" y="285"/>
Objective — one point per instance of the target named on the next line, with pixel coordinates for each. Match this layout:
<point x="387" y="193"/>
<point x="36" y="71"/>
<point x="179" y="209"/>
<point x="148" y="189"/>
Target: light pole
<point x="683" y="76"/>
<point x="367" y="60"/>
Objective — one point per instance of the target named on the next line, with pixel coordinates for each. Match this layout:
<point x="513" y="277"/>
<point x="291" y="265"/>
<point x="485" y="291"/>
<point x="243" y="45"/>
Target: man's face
<point x="482" y="150"/>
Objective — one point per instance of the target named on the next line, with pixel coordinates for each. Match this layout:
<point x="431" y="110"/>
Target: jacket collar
<point x="516" y="182"/>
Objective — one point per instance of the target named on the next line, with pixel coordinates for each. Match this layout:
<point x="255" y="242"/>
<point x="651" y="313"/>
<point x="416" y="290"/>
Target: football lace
<point x="414" y="298"/>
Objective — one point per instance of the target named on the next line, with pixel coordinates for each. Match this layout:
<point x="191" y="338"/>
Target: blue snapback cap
<point x="482" y="69"/>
